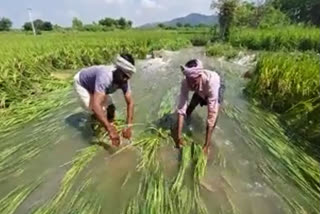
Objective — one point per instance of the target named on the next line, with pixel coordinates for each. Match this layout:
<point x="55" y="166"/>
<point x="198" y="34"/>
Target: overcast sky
<point x="139" y="11"/>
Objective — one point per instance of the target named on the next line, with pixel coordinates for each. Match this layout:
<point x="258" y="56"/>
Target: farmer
<point x="94" y="86"/>
<point x="208" y="90"/>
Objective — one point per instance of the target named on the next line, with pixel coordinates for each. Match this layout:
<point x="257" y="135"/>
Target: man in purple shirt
<point x="94" y="86"/>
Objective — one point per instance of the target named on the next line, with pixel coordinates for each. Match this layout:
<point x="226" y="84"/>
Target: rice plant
<point x="221" y="49"/>
<point x="288" y="38"/>
<point x="289" y="83"/>
<point x="78" y="164"/>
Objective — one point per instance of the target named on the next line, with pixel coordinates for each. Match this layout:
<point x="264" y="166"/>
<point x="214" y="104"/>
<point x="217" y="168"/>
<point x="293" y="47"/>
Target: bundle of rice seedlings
<point x="185" y="162"/>
<point x="156" y="194"/>
<point x="84" y="201"/>
<point x="149" y="144"/>
<point x="200" y="162"/>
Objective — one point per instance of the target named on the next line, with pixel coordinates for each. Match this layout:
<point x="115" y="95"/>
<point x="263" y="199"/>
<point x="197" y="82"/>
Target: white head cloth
<point x="125" y="66"/>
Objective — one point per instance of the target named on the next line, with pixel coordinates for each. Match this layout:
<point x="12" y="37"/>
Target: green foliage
<point x="39" y="25"/>
<point x="273" y="18"/>
<point x="27" y="26"/>
<point x="161" y="25"/>
<point x="95" y="28"/>
<point x="25" y="68"/>
<point x="47" y="26"/>
<point x="289" y="84"/>
<point x="200" y="40"/>
<point x="299" y="11"/>
<point x="108" y="22"/>
<point x="77" y="24"/>
<point x="121" y="23"/>
<point x="245" y="14"/>
<point x="263" y="16"/>
<point x="5" y="24"/>
<point x="226" y="9"/>
<point x="315" y="15"/>
<point x="156" y="193"/>
<point x="221" y="49"/>
<point x="284" y="79"/>
<point x="289" y="38"/>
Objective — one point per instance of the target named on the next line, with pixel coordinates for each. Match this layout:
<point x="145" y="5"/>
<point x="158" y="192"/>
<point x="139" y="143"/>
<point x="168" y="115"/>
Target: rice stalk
<point x="79" y="163"/>
<point x="16" y="197"/>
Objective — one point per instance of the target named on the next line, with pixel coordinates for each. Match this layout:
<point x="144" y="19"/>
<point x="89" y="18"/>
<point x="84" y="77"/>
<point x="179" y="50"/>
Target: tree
<point x="77" y="24"/>
<point x="27" y="26"/>
<point x="38" y="25"/>
<point x="93" y="27"/>
<point x="179" y="24"/>
<point x="315" y="15"/>
<point x="47" y="26"/>
<point x="130" y="23"/>
<point x="122" y="23"/>
<point x="226" y="10"/>
<point x="5" y="24"/>
<point x="272" y="17"/>
<point x="245" y="14"/>
<point x="187" y="25"/>
<point x="201" y="25"/>
<point x="161" y="25"/>
<point x="107" y="22"/>
<point x="298" y="10"/>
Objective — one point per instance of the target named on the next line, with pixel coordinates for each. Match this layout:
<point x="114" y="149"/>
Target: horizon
<point x="140" y="13"/>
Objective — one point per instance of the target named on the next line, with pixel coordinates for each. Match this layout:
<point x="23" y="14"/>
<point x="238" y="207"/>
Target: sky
<point x="139" y="11"/>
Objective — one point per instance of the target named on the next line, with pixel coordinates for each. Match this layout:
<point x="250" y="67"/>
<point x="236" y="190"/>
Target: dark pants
<point x="111" y="111"/>
<point x="196" y="100"/>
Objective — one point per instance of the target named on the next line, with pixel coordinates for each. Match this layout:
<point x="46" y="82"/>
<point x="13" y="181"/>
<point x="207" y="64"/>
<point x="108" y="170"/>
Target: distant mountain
<point x="192" y="19"/>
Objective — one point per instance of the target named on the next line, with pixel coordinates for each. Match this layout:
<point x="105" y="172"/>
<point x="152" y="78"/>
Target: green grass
<point x="26" y="62"/>
<point x="285" y="162"/>
<point x="222" y="49"/>
<point x="285" y="38"/>
<point x="289" y="84"/>
<point x="158" y="194"/>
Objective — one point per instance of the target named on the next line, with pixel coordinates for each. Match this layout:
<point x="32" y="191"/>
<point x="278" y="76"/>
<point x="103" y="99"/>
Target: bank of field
<point x="286" y="78"/>
<point x="30" y="67"/>
<point x="285" y="38"/>
<point x="27" y="63"/>
<point x="288" y="83"/>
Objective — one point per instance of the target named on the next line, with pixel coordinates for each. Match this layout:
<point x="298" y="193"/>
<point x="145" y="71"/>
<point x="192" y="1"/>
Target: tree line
<point x="259" y="14"/>
<point x="265" y="14"/>
<point x="102" y="25"/>
<point x="181" y="25"/>
<point x="77" y="24"/>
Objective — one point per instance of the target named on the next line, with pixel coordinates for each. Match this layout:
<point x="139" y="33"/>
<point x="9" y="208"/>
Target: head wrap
<point x="125" y="66"/>
<point x="192" y="74"/>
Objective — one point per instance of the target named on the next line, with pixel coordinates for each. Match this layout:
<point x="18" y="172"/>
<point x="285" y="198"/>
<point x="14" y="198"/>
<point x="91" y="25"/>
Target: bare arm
<point x="97" y="103"/>
<point x="130" y="107"/>
<point x="209" y="131"/>
<point x="127" y="131"/>
<point x="179" y="129"/>
<point x="213" y="109"/>
<point x="181" y="110"/>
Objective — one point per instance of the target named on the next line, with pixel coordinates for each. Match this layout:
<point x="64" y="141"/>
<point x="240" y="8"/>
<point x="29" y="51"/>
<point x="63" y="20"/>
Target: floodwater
<point x="252" y="168"/>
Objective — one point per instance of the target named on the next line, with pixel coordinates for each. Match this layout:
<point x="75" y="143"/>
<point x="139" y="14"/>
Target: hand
<point x="126" y="133"/>
<point x="114" y="137"/>
<point x="179" y="143"/>
<point x="206" y="150"/>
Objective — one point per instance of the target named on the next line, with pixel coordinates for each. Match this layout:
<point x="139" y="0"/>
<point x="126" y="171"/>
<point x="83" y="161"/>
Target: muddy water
<point x="242" y="176"/>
